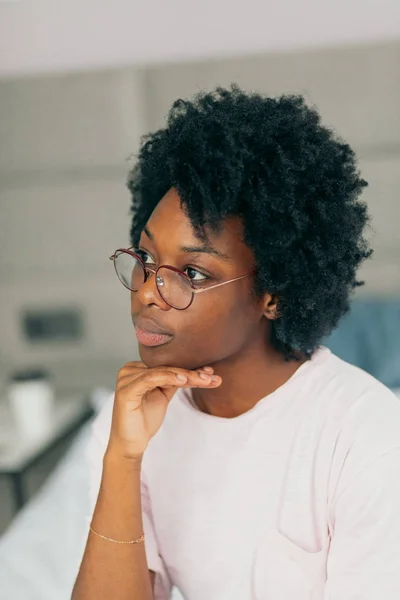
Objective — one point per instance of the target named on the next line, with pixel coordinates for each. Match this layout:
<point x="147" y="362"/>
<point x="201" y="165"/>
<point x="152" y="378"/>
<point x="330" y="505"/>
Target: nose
<point x="148" y="293"/>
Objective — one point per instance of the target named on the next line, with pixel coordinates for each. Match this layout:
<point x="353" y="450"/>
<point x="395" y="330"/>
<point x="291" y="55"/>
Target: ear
<point x="271" y="306"/>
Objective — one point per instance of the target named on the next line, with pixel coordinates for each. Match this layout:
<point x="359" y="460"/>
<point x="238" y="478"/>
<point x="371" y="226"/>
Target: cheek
<point x="218" y="330"/>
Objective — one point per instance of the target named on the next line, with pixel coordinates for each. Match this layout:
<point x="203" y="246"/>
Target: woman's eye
<point x="195" y="275"/>
<point x="146" y="258"/>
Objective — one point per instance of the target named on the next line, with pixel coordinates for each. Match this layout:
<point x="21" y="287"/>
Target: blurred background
<point x="80" y="82"/>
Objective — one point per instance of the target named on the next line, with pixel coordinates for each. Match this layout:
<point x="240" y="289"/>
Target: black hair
<point x="292" y="181"/>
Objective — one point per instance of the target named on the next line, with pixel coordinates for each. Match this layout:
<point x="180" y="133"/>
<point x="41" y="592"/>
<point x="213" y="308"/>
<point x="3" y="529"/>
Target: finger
<point x="135" y="364"/>
<point x="207" y="369"/>
<point x="131" y="368"/>
<point x="203" y="372"/>
<point x="150" y="379"/>
<point x="197" y="377"/>
<point x="128" y="374"/>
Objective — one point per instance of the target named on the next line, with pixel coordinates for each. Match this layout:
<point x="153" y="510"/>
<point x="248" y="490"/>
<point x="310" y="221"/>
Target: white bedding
<point x="41" y="551"/>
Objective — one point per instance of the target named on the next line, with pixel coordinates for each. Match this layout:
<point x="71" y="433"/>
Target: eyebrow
<point x="205" y="249"/>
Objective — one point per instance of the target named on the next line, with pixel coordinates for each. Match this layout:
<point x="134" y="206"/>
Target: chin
<point x="160" y="356"/>
<point x="156" y="356"/>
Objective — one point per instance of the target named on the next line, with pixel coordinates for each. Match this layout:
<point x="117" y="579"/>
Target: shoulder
<point x="352" y="395"/>
<point x="366" y="416"/>
<point x="347" y="400"/>
<point x="366" y="405"/>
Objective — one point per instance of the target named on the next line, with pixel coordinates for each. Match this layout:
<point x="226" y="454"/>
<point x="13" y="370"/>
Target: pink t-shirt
<point x="296" y="499"/>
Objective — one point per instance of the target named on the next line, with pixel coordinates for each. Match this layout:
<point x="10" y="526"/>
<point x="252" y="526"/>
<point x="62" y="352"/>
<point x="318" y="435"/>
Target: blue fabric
<point x="369" y="337"/>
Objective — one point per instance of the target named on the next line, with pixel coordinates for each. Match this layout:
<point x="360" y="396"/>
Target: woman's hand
<point x="141" y="399"/>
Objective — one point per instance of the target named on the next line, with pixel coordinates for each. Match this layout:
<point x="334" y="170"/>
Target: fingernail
<point x="205" y="376"/>
<point x="182" y="378"/>
<point x="215" y="378"/>
<point x="208" y="369"/>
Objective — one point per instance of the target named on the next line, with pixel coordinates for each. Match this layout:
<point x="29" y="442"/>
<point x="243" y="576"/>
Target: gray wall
<point x="63" y="201"/>
<point x="64" y="208"/>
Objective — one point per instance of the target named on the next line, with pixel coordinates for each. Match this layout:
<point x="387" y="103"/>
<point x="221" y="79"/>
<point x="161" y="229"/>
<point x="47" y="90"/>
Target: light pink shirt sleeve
<point x="364" y="557"/>
<point x="100" y="432"/>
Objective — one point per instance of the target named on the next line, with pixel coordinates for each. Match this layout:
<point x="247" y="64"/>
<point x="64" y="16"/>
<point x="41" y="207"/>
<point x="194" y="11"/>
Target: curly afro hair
<point x="292" y="181"/>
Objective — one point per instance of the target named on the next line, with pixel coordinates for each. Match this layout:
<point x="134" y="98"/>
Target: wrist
<point x="117" y="455"/>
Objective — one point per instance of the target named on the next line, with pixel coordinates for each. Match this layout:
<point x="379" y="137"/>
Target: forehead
<point x="171" y="227"/>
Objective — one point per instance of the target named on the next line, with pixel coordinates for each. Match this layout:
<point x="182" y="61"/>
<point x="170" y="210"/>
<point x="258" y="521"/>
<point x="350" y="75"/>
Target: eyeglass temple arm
<point x="211" y="287"/>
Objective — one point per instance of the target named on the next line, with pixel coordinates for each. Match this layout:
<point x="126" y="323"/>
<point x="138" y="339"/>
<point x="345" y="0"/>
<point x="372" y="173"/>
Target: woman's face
<point x="219" y="323"/>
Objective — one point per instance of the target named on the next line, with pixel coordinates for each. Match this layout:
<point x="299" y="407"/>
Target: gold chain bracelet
<point x="140" y="539"/>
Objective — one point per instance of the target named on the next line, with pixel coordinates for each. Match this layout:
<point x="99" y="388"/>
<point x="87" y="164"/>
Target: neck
<point x="254" y="373"/>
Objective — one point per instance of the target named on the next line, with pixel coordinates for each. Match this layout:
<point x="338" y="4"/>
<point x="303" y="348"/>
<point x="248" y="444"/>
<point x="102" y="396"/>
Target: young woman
<point x="240" y="459"/>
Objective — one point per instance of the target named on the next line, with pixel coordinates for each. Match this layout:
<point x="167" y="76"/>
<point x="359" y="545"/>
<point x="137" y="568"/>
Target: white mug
<point x="31" y="405"/>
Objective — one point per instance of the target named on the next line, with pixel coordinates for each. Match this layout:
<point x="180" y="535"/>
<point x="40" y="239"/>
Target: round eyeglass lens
<point x="174" y="288"/>
<point x="129" y="270"/>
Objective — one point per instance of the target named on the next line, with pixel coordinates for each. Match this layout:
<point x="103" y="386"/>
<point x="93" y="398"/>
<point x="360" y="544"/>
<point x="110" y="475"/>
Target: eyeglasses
<point x="174" y="286"/>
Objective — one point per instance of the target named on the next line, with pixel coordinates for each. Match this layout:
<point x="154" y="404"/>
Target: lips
<point x="149" y="333"/>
